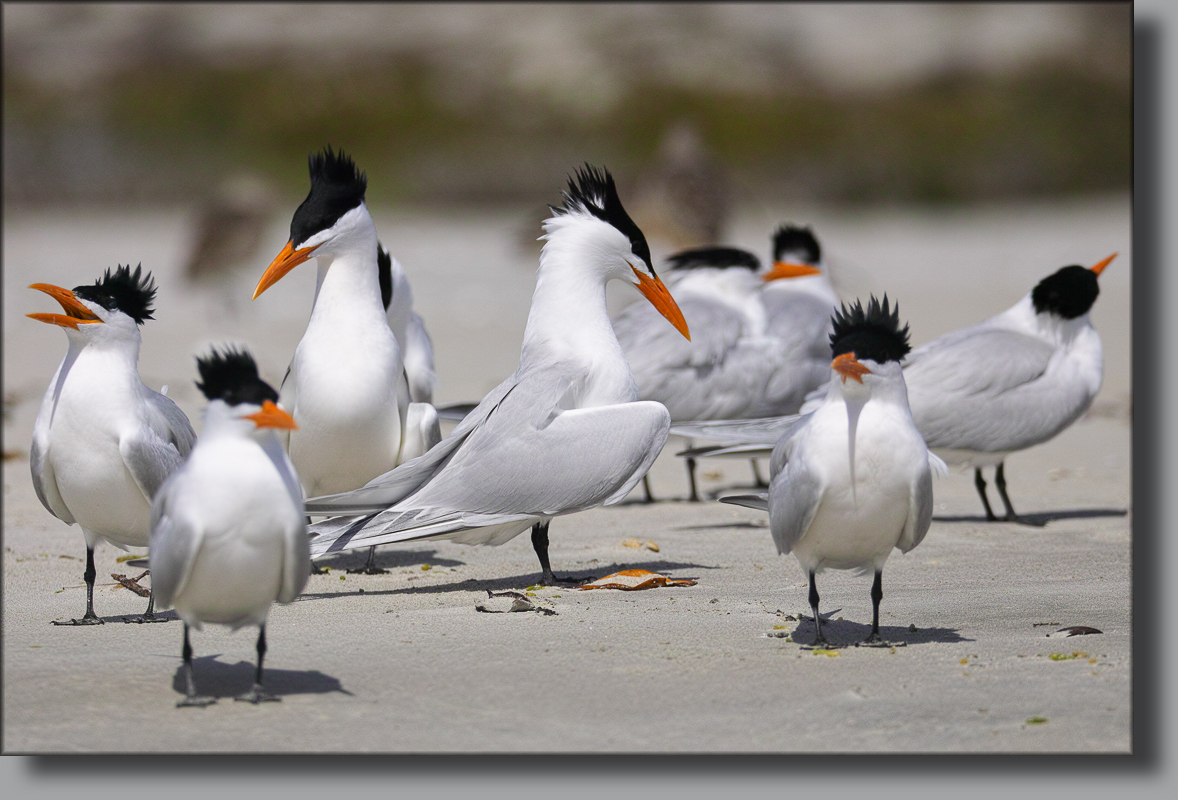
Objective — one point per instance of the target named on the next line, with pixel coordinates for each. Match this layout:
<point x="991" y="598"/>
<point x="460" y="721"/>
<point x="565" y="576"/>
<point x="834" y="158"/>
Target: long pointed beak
<point x="652" y="289"/>
<point x="75" y="312"/>
<point x="271" y="416"/>
<point x="287" y="260"/>
<point x="849" y="367"/>
<point x="785" y="269"/>
<point x="1100" y="267"/>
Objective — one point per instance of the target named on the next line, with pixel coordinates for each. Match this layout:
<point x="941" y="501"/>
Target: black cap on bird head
<point x="874" y="333"/>
<point x="231" y="375"/>
<point x="1068" y="293"/>
<point x="337" y="187"/>
<point x="715" y="258"/>
<point x="122" y="290"/>
<point x="592" y="191"/>
<point x="792" y="239"/>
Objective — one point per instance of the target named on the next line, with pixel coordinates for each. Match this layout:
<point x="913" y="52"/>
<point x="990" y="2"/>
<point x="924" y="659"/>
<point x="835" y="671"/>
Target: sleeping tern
<point x="346" y="387"/>
<point x="103" y="443"/>
<point x="853" y="478"/>
<point x="228" y="530"/>
<point x="761" y="336"/>
<point x="417" y="349"/>
<point x="566" y="432"/>
<point x="1014" y="381"/>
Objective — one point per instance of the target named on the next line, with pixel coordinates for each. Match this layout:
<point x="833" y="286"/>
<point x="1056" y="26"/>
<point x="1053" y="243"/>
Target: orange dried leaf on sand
<point x="632" y="579"/>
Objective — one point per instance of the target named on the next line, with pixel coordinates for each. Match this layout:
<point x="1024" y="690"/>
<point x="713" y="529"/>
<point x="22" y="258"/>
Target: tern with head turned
<point x="1014" y="381"/>
<point x="417" y="349"/>
<point x="564" y="433"/>
<point x="346" y="387"/>
<point x="104" y="443"/>
<point x="228" y="530"/>
<point x="760" y="342"/>
<point x="852" y="480"/>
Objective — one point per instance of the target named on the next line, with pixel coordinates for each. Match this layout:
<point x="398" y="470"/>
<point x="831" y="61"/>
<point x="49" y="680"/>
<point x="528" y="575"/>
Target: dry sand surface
<point x="404" y="662"/>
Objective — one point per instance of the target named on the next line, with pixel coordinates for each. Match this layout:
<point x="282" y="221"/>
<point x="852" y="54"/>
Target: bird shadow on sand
<point x="387" y="559"/>
<point x="1040" y="518"/>
<point x="842" y="633"/>
<point x="218" y="679"/>
<point x="517" y="582"/>
<point x="718" y="526"/>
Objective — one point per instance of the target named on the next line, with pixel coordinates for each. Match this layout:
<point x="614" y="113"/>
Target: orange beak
<point x="271" y="416"/>
<point x="1100" y="267"/>
<point x="847" y="366"/>
<point x="75" y="313"/>
<point x="654" y="291"/>
<point x="287" y="260"/>
<point x="784" y="269"/>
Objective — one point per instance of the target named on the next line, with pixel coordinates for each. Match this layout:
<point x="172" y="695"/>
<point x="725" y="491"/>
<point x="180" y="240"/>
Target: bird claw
<point x="87" y="620"/>
<point x="256" y="695"/>
<point x="195" y="701"/>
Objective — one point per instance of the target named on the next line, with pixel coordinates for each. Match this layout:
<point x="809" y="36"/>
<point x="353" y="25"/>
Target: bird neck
<point x="1045" y="325"/>
<point x="348" y="285"/>
<point x="569" y="317"/>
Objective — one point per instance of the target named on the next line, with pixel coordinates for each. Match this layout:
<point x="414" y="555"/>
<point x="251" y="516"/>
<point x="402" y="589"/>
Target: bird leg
<point x="691" y="477"/>
<point x="256" y="695"/>
<point x="369" y="567"/>
<point x="540" y="545"/>
<point x="980" y="483"/>
<point x="1011" y="516"/>
<point x="89" y="618"/>
<point x="757" y="479"/>
<point x="149" y="615"/>
<point x="876" y="597"/>
<point x="646" y="488"/>
<point x="814" y="608"/>
<point x="190" y="696"/>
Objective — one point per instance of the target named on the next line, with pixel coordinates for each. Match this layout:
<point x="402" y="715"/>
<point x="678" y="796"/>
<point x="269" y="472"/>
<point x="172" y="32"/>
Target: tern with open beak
<point x="104" y="443"/>
<point x="566" y="432"/>
<point x="228" y="530"/>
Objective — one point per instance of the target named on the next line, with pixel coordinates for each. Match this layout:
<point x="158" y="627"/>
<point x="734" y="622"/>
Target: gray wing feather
<point x="920" y="512"/>
<point x="45" y="483"/>
<point x="173" y="546"/>
<point x="794" y="496"/>
<point x="736" y="431"/>
<point x="171" y="423"/>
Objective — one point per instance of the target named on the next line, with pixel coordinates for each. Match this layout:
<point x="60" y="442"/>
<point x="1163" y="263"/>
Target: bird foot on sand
<point x="256" y="695"/>
<point x="95" y="620"/>
<point x="195" y="701"/>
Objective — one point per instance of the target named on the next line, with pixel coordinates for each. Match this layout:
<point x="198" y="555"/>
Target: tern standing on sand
<point x="103" y="443"/>
<point x="853" y="479"/>
<point x="566" y="432"/>
<point x="228" y="530"/>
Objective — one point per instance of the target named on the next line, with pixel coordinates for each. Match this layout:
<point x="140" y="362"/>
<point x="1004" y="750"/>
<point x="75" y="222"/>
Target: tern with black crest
<point x="228" y="530"/>
<point x="347" y="386"/>
<point x="564" y="433"/>
<point x="104" y="443"/>
<point x="852" y="479"/>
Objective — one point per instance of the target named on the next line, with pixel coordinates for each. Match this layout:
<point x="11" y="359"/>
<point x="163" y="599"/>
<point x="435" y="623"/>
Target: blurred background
<point x="949" y="154"/>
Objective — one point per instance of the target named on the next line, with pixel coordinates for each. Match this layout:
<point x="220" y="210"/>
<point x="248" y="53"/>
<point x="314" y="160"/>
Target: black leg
<point x="646" y="488"/>
<point x="369" y="567"/>
<point x="191" y="698"/>
<point x="814" y="608"/>
<point x="691" y="478"/>
<point x="757" y="479"/>
<point x="876" y="597"/>
<point x="1000" y="482"/>
<point x="255" y="695"/>
<point x="89" y="618"/>
<point x="980" y="483"/>
<point x="540" y="545"/>
<point x="149" y="615"/>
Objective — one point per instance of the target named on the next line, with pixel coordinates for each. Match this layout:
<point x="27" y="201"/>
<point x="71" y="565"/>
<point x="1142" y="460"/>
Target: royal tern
<point x="103" y="443"/>
<point x="853" y="478"/>
<point x="761" y="337"/>
<point x="228" y="530"/>
<point x="346" y="386"/>
<point x="564" y="433"/>
<point x="1014" y="381"/>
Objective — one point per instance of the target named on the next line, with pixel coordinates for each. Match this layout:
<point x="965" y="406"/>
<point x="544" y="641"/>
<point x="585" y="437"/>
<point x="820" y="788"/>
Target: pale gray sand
<point x="411" y="666"/>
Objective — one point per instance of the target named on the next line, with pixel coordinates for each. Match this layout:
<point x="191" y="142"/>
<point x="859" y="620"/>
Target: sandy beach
<point x="405" y="663"/>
